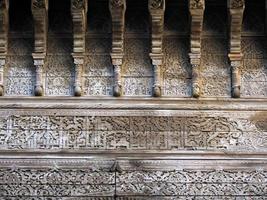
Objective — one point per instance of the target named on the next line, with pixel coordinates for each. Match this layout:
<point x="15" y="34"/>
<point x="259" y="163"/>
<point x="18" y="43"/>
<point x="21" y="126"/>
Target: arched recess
<point x="176" y="71"/>
<point x="215" y="68"/>
<point x="19" y="74"/>
<point x="98" y="70"/>
<point x="59" y="70"/>
<point x="254" y="42"/>
<point x="137" y="71"/>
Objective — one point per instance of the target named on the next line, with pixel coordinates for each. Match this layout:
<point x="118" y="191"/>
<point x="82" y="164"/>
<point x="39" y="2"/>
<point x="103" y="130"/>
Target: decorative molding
<point x="79" y="19"/>
<point x="196" y="8"/>
<point x="117" y="9"/>
<point x="4" y="27"/>
<point x="40" y="16"/>
<point x="156" y="10"/>
<point x="236" y="12"/>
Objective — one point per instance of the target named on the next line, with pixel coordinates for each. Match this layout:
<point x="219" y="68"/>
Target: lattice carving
<point x="117" y="10"/>
<point x="156" y="9"/>
<point x="40" y="15"/>
<point x="197" y="8"/>
<point x="4" y="26"/>
<point x="236" y="11"/>
<point x="79" y="19"/>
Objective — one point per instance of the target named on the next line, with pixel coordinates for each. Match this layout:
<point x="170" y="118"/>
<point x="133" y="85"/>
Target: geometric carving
<point x="197" y="8"/>
<point x="117" y="9"/>
<point x="79" y="19"/>
<point x="236" y="10"/>
<point x="157" y="9"/>
<point x="4" y="26"/>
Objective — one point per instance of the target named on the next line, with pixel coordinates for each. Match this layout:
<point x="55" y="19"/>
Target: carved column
<point x="117" y="9"/>
<point x="156" y="10"/>
<point x="196" y="8"/>
<point x="79" y="18"/>
<point x="236" y="11"/>
<point x="40" y="16"/>
<point x="3" y="40"/>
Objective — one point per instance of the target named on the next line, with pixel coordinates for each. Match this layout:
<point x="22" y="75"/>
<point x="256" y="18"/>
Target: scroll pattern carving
<point x="131" y="133"/>
<point x="95" y="180"/>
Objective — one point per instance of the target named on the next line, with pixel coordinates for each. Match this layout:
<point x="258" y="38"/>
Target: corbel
<point x="4" y="26"/>
<point x="236" y="10"/>
<point x="156" y="10"/>
<point x="79" y="18"/>
<point x="197" y="8"/>
<point x="40" y="16"/>
<point x="117" y="9"/>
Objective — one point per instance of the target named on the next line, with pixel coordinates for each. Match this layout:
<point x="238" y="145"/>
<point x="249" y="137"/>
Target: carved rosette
<point x="156" y="10"/>
<point x="197" y="8"/>
<point x="4" y="25"/>
<point x="40" y="16"/>
<point x="79" y="16"/>
<point x="236" y="11"/>
<point x="117" y="9"/>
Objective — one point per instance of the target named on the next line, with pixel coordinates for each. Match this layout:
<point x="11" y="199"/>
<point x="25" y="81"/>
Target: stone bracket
<point x="196" y="8"/>
<point x="40" y="16"/>
<point x="156" y="10"/>
<point x="4" y="27"/>
<point x="236" y="12"/>
<point x="117" y="9"/>
<point x="79" y="18"/>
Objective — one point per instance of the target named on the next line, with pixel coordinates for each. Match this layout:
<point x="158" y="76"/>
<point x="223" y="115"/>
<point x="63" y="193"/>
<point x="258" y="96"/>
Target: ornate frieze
<point x="117" y="9"/>
<point x="4" y="26"/>
<point x="196" y="8"/>
<point x="236" y="10"/>
<point x="156" y="10"/>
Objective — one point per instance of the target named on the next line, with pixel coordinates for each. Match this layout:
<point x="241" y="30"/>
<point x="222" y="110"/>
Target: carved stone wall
<point x="170" y="100"/>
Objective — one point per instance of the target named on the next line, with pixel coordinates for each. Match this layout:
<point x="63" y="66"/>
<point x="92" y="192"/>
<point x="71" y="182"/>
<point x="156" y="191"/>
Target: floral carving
<point x="155" y="4"/>
<point x="237" y="4"/>
<point x="78" y="4"/>
<point x="38" y="4"/>
<point x="196" y="4"/>
<point x="116" y="3"/>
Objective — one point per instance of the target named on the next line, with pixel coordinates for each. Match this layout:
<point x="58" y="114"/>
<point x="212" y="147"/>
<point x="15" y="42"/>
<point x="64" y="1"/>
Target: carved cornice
<point x="196" y="8"/>
<point x="236" y="11"/>
<point x="117" y="9"/>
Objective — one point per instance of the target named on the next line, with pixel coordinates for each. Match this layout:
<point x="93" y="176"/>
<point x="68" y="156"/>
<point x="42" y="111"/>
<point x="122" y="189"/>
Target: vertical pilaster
<point x="196" y="8"/>
<point x="156" y="10"/>
<point x="40" y="16"/>
<point x="236" y="11"/>
<point x="117" y="9"/>
<point x="4" y="26"/>
<point x="79" y="18"/>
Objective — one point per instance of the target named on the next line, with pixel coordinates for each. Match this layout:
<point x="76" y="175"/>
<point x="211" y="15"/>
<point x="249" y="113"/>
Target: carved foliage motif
<point x="237" y="4"/>
<point x="155" y="4"/>
<point x="197" y="4"/>
<point x="133" y="133"/>
<point x="78" y="4"/>
<point x="38" y="4"/>
<point x="116" y="3"/>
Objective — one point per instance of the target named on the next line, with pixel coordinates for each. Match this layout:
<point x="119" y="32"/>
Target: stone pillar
<point x="156" y="10"/>
<point x="236" y="12"/>
<point x="40" y="16"/>
<point x="4" y="26"/>
<point x="196" y="8"/>
<point x="79" y="18"/>
<point x="117" y="9"/>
